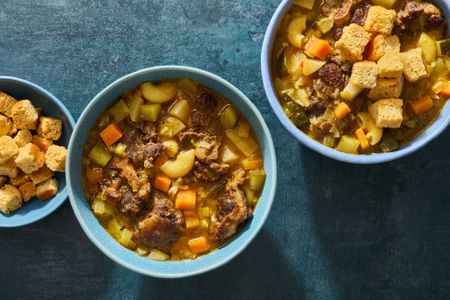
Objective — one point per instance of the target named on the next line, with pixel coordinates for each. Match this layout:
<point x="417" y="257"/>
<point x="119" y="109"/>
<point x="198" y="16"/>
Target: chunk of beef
<point x="129" y="203"/>
<point x="319" y="131"/>
<point x="162" y="226"/>
<point x="232" y="209"/>
<point x="209" y="172"/>
<point x="337" y="32"/>
<point x="417" y="15"/>
<point x="360" y="13"/>
<point x="339" y="10"/>
<point x="332" y="75"/>
<point x="317" y="106"/>
<point x="132" y="138"/>
<point x="201" y="115"/>
<point x="148" y="131"/>
<point x="206" y="145"/>
<point x="151" y="152"/>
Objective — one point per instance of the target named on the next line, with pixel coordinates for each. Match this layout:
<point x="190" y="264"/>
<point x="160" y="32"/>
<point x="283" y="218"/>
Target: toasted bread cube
<point x="3" y="180"/>
<point x="10" y="199"/>
<point x="9" y="169"/>
<point x="23" y="137"/>
<point x="20" y="179"/>
<point x="49" y="128"/>
<point x="390" y="66"/>
<point x="5" y="125"/>
<point x="41" y="142"/>
<point x="28" y="191"/>
<point x="387" y="113"/>
<point x="41" y="175"/>
<point x="55" y="158"/>
<point x="353" y="42"/>
<point x="30" y="158"/>
<point x="6" y="103"/>
<point x="414" y="65"/>
<point x="364" y="75"/>
<point x="380" y="45"/>
<point x="24" y="115"/>
<point x="387" y="88"/>
<point x="380" y="20"/>
<point x="8" y="148"/>
<point x="47" y="189"/>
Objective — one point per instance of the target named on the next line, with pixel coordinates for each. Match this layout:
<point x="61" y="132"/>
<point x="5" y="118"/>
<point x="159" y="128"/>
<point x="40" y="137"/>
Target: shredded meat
<point x="162" y="226"/>
<point x="232" y="209"/>
<point x="206" y="106"/>
<point x="339" y="10"/>
<point x="206" y="145"/>
<point x="416" y="15"/>
<point x="319" y="131"/>
<point x="209" y="172"/>
<point x="360" y="13"/>
<point x="151" y="152"/>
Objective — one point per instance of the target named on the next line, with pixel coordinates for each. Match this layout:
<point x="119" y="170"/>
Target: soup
<point x="172" y="170"/>
<point x="362" y="76"/>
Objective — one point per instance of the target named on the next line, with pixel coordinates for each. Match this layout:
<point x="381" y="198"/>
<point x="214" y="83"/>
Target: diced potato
<point x="142" y="251"/>
<point x="348" y="144"/>
<point x="247" y="146"/>
<point x="243" y="129"/>
<point x="159" y="93"/>
<point x="308" y="4"/>
<point x="181" y="109"/>
<point x="325" y="24"/>
<point x="350" y="92"/>
<point x="311" y="66"/>
<point x="171" y="147"/>
<point x="188" y="86"/>
<point x="135" y="101"/>
<point x="374" y="133"/>
<point x="171" y="127"/>
<point x="250" y="195"/>
<point x="114" y="228"/>
<point x="204" y="212"/>
<point x="125" y="237"/>
<point x="440" y="69"/>
<point x="98" y="207"/>
<point x="119" y="111"/>
<point x="256" y="179"/>
<point x="385" y="3"/>
<point x="192" y="222"/>
<point x="295" y="31"/>
<point x="100" y="155"/>
<point x="158" y="255"/>
<point x="227" y="155"/>
<point x="229" y="117"/>
<point x="181" y="166"/>
<point x="204" y="223"/>
<point x="150" y="112"/>
<point x="428" y="46"/>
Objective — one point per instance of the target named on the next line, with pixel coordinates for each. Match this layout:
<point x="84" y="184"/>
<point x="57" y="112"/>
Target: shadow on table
<point x="260" y="270"/>
<point x="384" y="228"/>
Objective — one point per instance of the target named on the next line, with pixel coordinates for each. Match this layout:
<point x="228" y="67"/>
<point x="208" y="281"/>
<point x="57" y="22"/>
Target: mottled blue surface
<point x="336" y="231"/>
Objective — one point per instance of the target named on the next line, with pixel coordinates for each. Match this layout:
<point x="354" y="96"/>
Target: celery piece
<point x="229" y="117"/>
<point x="98" y="207"/>
<point x="250" y="195"/>
<point x="181" y="109"/>
<point x="256" y="179"/>
<point x="348" y="144"/>
<point x="428" y="46"/>
<point x="243" y="129"/>
<point x="125" y="237"/>
<point x="135" y="101"/>
<point x="204" y="212"/>
<point x="350" y="92"/>
<point x="100" y="155"/>
<point x="114" y="228"/>
<point x="247" y="146"/>
<point x="171" y="147"/>
<point x="171" y="127"/>
<point x="119" y="111"/>
<point x="121" y="150"/>
<point x="325" y="24"/>
<point x="150" y="112"/>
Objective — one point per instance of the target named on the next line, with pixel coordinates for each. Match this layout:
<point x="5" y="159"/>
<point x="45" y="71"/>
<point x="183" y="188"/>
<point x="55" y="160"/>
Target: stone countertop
<point x="336" y="231"/>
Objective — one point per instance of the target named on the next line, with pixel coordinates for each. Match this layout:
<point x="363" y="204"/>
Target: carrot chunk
<point x="341" y="111"/>
<point x="111" y="134"/>
<point x="422" y="104"/>
<point x="445" y="92"/>
<point x="162" y="183"/>
<point x="317" y="48"/>
<point x="361" y="136"/>
<point x="198" y="245"/>
<point x="186" y="199"/>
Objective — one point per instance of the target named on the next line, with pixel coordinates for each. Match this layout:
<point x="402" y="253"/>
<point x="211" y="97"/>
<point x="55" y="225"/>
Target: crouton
<point x="47" y="189"/>
<point x="10" y="199"/>
<point x="387" y="112"/>
<point x="24" y="115"/>
<point x="364" y="75"/>
<point x="23" y="137"/>
<point x="41" y="175"/>
<point x="3" y="180"/>
<point x="380" y="20"/>
<point x="8" y="148"/>
<point x="49" y="128"/>
<point x="387" y="88"/>
<point x="55" y="158"/>
<point x="30" y="158"/>
<point x="20" y="179"/>
<point x="9" y="169"/>
<point x="41" y="142"/>
<point x="6" y="103"/>
<point x="28" y="191"/>
<point x="380" y="45"/>
<point x="353" y="42"/>
<point x="414" y="65"/>
<point x="5" y="125"/>
<point x="390" y="66"/>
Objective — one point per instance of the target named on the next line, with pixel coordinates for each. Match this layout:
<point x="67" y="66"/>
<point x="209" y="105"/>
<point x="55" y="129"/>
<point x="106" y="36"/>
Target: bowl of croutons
<point x="35" y="129"/>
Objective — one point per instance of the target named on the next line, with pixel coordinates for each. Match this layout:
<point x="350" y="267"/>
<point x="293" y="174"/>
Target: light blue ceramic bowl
<point x="103" y="240"/>
<point x="437" y="127"/>
<point x="51" y="106"/>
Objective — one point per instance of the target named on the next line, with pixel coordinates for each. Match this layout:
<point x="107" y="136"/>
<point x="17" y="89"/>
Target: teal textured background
<point x="336" y="231"/>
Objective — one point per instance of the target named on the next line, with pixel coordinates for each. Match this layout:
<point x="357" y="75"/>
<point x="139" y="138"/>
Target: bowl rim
<point x="270" y="185"/>
<point x="438" y="125"/>
<point x="64" y="192"/>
